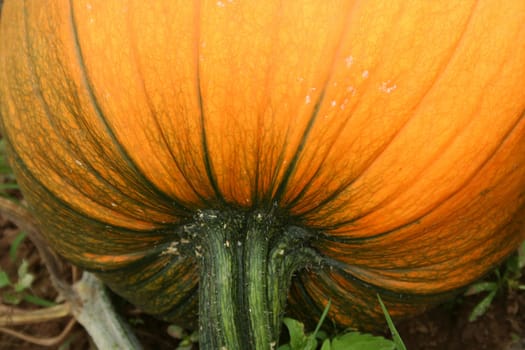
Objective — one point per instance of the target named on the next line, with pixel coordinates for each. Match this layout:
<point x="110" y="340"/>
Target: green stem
<point x="246" y="262"/>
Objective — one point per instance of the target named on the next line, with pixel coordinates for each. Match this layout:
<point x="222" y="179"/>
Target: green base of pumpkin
<point x="246" y="264"/>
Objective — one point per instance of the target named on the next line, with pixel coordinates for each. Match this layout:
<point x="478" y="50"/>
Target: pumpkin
<point x="235" y="159"/>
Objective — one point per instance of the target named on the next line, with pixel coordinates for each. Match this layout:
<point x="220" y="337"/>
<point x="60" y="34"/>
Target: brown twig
<point x="89" y="302"/>
<point x="52" y="341"/>
<point x="11" y="316"/>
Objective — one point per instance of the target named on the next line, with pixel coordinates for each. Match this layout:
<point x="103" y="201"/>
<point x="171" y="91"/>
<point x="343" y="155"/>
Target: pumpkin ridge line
<point x="451" y="196"/>
<point x="140" y="77"/>
<point x="67" y="145"/>
<point x="208" y="165"/>
<point x="414" y="109"/>
<point x="101" y="117"/>
<point x="404" y="295"/>
<point x="290" y="170"/>
<point x="266" y="196"/>
<point x="288" y="173"/>
<point x="15" y="157"/>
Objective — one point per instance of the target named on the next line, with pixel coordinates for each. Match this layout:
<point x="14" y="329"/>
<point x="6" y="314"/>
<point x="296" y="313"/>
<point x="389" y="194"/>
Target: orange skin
<point x="393" y="129"/>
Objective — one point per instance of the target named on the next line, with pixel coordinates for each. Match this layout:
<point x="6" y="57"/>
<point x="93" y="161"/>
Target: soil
<point x="502" y="327"/>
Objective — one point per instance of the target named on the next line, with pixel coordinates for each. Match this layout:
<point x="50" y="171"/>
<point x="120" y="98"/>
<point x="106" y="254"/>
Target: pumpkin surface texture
<point x="239" y="159"/>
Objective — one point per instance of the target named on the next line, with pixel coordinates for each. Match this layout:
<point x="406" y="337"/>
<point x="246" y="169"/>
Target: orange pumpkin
<point x="366" y="146"/>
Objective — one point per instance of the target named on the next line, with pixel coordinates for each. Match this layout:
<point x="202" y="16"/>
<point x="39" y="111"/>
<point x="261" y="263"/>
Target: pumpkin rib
<point x="341" y="269"/>
<point x="438" y="155"/>
<point x="467" y="181"/>
<point x="298" y="290"/>
<point x="207" y="161"/>
<point x="289" y="171"/>
<point x="208" y="165"/>
<point x="17" y="161"/>
<point x="173" y="295"/>
<point x="105" y="263"/>
<point x="423" y="264"/>
<point x="281" y="188"/>
<point x="144" y="282"/>
<point x="344" y="186"/>
<point x="189" y="301"/>
<point x="170" y="300"/>
<point x="109" y="131"/>
<point x="155" y="119"/>
<point x="106" y="185"/>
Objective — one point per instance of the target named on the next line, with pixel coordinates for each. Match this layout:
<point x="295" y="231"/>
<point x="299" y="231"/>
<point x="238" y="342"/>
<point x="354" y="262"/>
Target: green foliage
<point x="13" y="250"/>
<point x="507" y="277"/>
<point x="395" y="334"/>
<point x="16" y="292"/>
<point x="186" y="339"/>
<point x="300" y="340"/>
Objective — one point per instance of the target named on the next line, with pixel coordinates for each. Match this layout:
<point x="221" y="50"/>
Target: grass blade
<point x="395" y="334"/>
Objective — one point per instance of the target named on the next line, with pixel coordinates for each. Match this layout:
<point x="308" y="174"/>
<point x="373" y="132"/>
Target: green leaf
<point x="176" y="332"/>
<point x="359" y="341"/>
<point x="33" y="299"/>
<point x="326" y="345"/>
<point x="4" y="279"/>
<point x="298" y="339"/>
<point x="321" y="320"/>
<point x="395" y="335"/>
<point x="9" y="186"/>
<point x="12" y="298"/>
<point x="13" y="250"/>
<point x="25" y="279"/>
<point x="482" y="306"/>
<point x="480" y="287"/>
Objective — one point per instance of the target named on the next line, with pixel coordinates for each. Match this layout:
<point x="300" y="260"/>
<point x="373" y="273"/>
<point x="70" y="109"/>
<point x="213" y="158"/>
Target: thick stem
<point x="96" y="313"/>
<point x="247" y="261"/>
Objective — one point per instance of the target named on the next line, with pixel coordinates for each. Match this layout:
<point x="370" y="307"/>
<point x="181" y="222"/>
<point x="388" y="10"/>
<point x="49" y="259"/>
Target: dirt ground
<point x="446" y="327"/>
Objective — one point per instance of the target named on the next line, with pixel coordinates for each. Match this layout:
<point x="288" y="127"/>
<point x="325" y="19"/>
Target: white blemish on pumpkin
<point x="364" y="74"/>
<point x="387" y="86"/>
<point x="333" y="103"/>
<point x="221" y="4"/>
<point x="308" y="99"/>
<point x="300" y="79"/>
<point x="343" y="105"/>
<point x="89" y="6"/>
<point x="78" y="162"/>
<point x="198" y="251"/>
<point x="171" y="250"/>
<point x="113" y="204"/>
<point x="349" y="60"/>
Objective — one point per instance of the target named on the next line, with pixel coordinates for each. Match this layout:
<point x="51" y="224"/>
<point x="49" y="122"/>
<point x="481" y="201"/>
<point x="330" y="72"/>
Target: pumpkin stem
<point x="246" y="266"/>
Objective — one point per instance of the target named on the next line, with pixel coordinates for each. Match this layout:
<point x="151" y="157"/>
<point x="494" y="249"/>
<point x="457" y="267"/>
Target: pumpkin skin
<point x="393" y="131"/>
